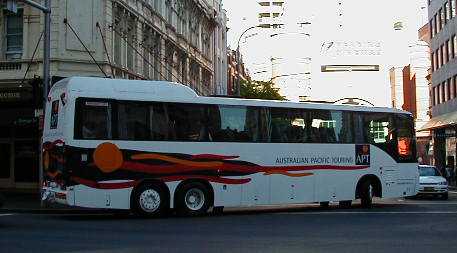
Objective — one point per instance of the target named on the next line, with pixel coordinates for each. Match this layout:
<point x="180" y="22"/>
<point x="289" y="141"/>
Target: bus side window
<point x="380" y="132"/>
<point x="405" y="139"/>
<point x="288" y="126"/>
<point x="93" y="120"/>
<point x="133" y="121"/>
<point x="161" y="128"/>
<point x="189" y="122"/>
<point x="359" y="132"/>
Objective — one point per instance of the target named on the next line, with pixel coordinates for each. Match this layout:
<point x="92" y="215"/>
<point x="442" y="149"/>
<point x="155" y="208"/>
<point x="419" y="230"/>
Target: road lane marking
<point x="416" y="203"/>
<point x="6" y="214"/>
<point x="374" y="212"/>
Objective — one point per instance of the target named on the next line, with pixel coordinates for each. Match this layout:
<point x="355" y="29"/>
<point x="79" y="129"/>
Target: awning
<point x="444" y="120"/>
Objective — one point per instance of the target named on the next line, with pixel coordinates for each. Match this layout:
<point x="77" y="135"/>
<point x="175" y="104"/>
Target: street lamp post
<point x="238" y="59"/>
<point x="46" y="9"/>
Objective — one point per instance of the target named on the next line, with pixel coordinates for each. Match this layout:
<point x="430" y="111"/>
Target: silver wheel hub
<point x="195" y="199"/>
<point x="149" y="200"/>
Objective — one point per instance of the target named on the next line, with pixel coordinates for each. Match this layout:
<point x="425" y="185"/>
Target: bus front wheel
<point x="345" y="203"/>
<point x="366" y="194"/>
<point x="193" y="199"/>
<point x="148" y="200"/>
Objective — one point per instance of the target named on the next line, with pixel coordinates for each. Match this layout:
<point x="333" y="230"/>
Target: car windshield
<point x="428" y="171"/>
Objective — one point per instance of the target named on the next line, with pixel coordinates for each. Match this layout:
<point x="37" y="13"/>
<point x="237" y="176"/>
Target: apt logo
<point x="362" y="154"/>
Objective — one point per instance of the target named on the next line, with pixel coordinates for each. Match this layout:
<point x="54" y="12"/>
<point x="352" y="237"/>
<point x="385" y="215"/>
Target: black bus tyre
<point x="366" y="194"/>
<point x="345" y="203"/>
<point x="193" y="199"/>
<point x="148" y="200"/>
<point x="445" y="196"/>
<point x="324" y="204"/>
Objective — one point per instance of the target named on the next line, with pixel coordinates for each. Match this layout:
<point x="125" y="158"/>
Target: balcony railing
<point x="10" y="65"/>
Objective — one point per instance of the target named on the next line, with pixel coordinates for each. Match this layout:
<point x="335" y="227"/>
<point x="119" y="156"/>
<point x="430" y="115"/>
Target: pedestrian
<point x="448" y="173"/>
<point x="452" y="177"/>
<point x="455" y="176"/>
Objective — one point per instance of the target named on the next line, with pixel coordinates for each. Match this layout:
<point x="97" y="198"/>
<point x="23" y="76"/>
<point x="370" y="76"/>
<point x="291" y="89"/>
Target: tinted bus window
<point x="93" y="120"/>
<point x="160" y="124"/>
<point x="379" y="130"/>
<point x="289" y="125"/>
<point x="331" y="127"/>
<point x="134" y="121"/>
<point x="358" y="126"/>
<point x="405" y="138"/>
<point x="237" y="124"/>
<point x="188" y="122"/>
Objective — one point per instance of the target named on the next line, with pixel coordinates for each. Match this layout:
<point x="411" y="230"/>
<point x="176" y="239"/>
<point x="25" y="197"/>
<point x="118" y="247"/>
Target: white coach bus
<point x="152" y="146"/>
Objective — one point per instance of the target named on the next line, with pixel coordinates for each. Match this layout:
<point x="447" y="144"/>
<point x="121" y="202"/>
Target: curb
<point x="61" y="211"/>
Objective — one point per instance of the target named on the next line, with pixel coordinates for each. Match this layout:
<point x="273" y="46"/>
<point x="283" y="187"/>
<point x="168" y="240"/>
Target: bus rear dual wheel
<point x="193" y="199"/>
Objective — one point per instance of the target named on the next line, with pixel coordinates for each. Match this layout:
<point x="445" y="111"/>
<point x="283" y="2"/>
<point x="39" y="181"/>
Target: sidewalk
<point x="30" y="202"/>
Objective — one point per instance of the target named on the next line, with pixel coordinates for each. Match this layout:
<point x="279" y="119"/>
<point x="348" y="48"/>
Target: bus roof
<point x="164" y="91"/>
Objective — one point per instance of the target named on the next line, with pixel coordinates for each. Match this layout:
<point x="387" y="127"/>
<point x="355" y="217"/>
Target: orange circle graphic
<point x="108" y="157"/>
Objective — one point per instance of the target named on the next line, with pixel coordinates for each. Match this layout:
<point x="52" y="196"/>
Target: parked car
<point x="431" y="182"/>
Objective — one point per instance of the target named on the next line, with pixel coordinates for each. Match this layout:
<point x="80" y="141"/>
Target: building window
<point x="432" y="31"/>
<point x="448" y="89"/>
<point x="451" y="46"/>
<point x="14" y="33"/>
<point x="452" y="84"/>
<point x="435" y="24"/>
<point x="439" y="58"/>
<point x="436" y="95"/>
<point x="264" y="3"/>
<point x="442" y="92"/>
<point x="278" y="3"/>
<point x="432" y="58"/>
<point x="454" y="42"/>
<point x="442" y="18"/>
<point x="451" y="9"/>
<point x="446" y="52"/>
<point x="446" y="11"/>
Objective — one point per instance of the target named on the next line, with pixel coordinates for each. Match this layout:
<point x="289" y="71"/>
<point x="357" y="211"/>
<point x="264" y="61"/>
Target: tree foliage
<point x="260" y="90"/>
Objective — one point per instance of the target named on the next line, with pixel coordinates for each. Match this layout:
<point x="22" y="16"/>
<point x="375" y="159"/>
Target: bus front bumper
<point x="54" y="195"/>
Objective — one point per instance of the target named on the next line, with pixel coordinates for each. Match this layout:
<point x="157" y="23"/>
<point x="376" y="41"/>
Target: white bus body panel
<point x="323" y="185"/>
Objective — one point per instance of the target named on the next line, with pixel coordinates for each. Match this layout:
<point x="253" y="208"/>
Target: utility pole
<point x="238" y="59"/>
<point x="46" y="9"/>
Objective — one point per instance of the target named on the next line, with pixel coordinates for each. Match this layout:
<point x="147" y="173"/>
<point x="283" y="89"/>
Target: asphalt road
<point x="422" y="225"/>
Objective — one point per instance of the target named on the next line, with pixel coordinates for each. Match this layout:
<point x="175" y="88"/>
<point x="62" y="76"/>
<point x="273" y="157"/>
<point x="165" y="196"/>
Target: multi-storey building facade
<point x="443" y="39"/>
<point x="177" y="40"/>
<point x="271" y="13"/>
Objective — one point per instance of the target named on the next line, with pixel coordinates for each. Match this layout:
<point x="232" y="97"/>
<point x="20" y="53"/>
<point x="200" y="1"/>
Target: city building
<point x="271" y="13"/>
<point x="410" y="92"/>
<point x="236" y="71"/>
<point x="443" y="42"/>
<point x="177" y="40"/>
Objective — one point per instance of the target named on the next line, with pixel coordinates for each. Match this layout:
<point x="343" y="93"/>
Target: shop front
<point x="444" y="141"/>
<point x="19" y="139"/>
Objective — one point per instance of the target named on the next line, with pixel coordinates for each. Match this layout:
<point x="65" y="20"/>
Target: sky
<point x="364" y="21"/>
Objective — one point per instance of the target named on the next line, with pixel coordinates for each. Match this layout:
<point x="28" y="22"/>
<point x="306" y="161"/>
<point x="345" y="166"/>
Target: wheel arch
<point x="377" y="186"/>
